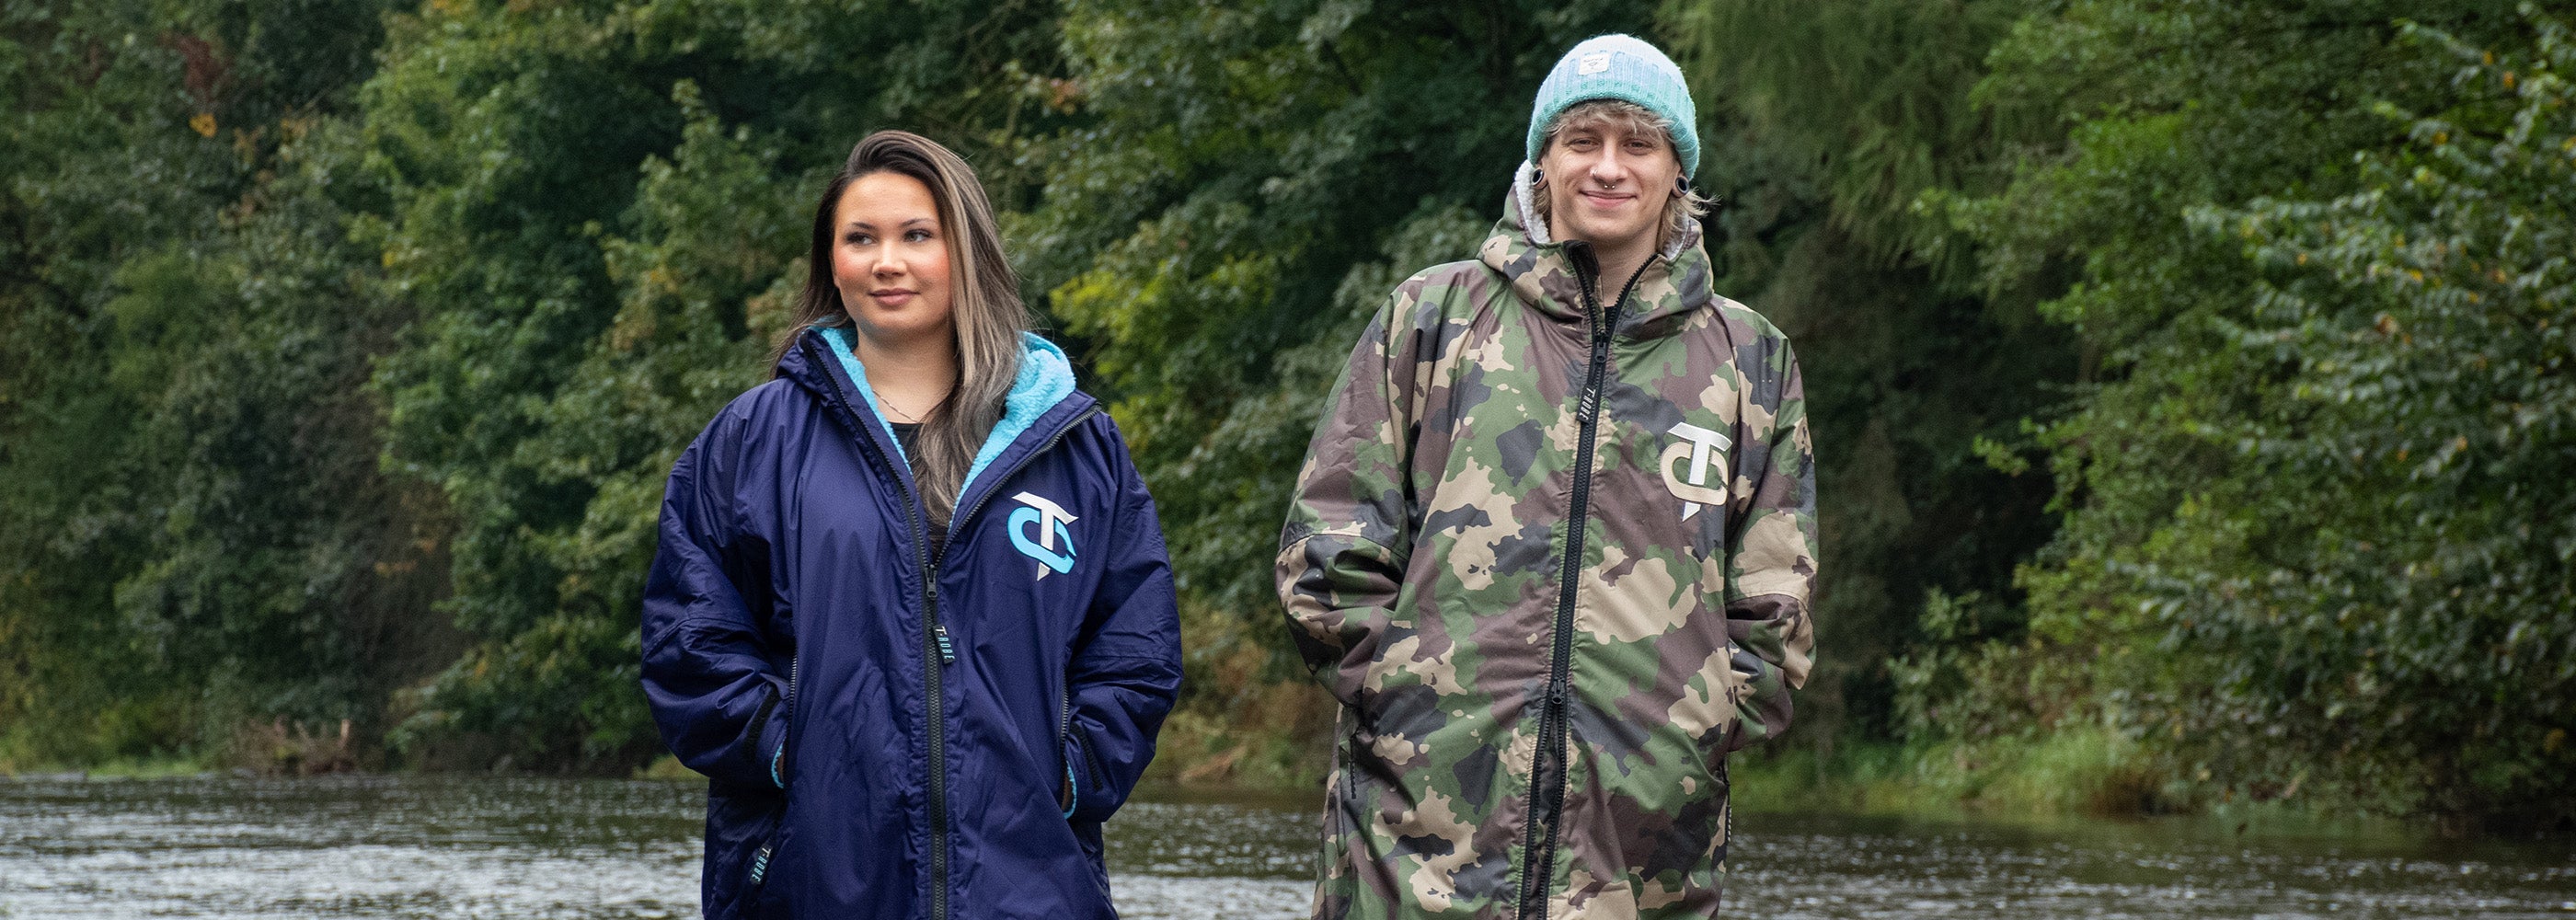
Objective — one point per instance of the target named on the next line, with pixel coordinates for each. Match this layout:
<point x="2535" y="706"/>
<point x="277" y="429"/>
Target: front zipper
<point x="931" y="667"/>
<point x="759" y="866"/>
<point x="1547" y="801"/>
<point x="936" y="720"/>
<point x="935" y="644"/>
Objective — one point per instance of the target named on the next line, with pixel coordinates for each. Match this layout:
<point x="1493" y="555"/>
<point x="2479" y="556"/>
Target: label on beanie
<point x="1592" y="64"/>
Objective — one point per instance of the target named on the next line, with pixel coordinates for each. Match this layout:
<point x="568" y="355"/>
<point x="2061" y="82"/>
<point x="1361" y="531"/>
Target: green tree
<point x="2314" y="503"/>
<point x="2423" y="427"/>
<point x="198" y="540"/>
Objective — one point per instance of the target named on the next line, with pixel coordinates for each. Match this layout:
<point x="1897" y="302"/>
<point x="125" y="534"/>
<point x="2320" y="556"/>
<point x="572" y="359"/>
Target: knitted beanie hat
<point x="1619" y="67"/>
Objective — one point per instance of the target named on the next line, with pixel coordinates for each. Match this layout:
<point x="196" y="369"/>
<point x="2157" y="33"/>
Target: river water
<point x="550" y="849"/>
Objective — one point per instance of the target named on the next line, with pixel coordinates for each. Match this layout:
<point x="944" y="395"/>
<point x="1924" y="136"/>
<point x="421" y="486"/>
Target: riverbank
<point x="2067" y="774"/>
<point x="2086" y="773"/>
<point x="122" y="768"/>
<point x="2075" y="774"/>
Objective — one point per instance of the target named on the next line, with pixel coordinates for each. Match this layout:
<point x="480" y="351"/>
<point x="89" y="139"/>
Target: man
<point x="1554" y="540"/>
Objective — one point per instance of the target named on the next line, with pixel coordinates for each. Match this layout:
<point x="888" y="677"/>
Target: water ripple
<point x="557" y="849"/>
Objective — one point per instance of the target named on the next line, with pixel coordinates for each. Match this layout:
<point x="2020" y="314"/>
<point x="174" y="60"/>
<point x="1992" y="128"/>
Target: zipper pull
<point x="760" y="866"/>
<point x="947" y="652"/>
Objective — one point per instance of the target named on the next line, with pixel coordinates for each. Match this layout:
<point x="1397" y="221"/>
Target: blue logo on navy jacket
<point x="1048" y="520"/>
<point x="888" y="733"/>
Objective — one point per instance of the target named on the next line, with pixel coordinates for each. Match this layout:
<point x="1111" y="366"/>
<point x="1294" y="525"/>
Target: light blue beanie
<point x="1619" y="67"/>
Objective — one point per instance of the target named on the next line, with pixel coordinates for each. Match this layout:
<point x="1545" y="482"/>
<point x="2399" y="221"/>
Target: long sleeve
<point x="1348" y="536"/>
<point x="1771" y="560"/>
<point x="708" y="665"/>
<point x="1126" y="674"/>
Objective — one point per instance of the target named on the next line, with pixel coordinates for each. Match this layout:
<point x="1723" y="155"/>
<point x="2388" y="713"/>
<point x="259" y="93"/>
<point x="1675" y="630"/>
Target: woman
<point x="911" y="610"/>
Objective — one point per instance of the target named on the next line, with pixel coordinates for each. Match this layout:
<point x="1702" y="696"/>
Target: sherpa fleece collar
<point x="1045" y="379"/>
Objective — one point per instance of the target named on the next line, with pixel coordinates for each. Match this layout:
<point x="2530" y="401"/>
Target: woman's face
<point x="890" y="260"/>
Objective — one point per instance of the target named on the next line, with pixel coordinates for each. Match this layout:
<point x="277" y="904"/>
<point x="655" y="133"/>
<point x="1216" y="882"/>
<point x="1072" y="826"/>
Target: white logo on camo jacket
<point x="1686" y="464"/>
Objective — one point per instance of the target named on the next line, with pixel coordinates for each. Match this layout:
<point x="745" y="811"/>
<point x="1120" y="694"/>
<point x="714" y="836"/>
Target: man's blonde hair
<point x="1622" y="115"/>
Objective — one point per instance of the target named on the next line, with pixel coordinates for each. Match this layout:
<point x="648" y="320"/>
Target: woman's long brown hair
<point x="986" y="310"/>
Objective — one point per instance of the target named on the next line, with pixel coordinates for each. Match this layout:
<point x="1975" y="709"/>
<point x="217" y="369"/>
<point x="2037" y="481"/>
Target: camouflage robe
<point x="1425" y="570"/>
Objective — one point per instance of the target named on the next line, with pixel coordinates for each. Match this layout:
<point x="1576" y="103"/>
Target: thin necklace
<point x="911" y="418"/>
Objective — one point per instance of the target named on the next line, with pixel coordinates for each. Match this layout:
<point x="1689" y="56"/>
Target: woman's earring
<point x="1681" y="187"/>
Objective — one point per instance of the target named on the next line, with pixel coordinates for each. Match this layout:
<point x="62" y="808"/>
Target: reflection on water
<point x="412" y="846"/>
<point x="349" y="847"/>
<point x="1191" y="855"/>
<point x="1887" y="868"/>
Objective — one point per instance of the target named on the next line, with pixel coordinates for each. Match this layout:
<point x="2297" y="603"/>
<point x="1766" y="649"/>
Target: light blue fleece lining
<point x="1072" y="791"/>
<point x="1045" y="379"/>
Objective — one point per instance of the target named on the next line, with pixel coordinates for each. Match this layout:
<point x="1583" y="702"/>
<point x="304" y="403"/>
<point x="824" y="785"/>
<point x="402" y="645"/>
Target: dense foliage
<point x="197" y="536"/>
<point x="2190" y="371"/>
<point x="2317" y="498"/>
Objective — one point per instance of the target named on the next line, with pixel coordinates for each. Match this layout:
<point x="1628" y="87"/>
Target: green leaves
<point x="198" y="539"/>
<point x="2314" y="503"/>
<point x="2433" y="399"/>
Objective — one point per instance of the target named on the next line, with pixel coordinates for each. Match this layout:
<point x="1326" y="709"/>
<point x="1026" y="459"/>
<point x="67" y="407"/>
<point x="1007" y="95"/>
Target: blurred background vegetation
<point x="2191" y="377"/>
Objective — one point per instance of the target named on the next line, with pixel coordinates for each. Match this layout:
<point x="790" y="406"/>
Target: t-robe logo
<point x="1048" y="520"/>
<point x="1695" y="447"/>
